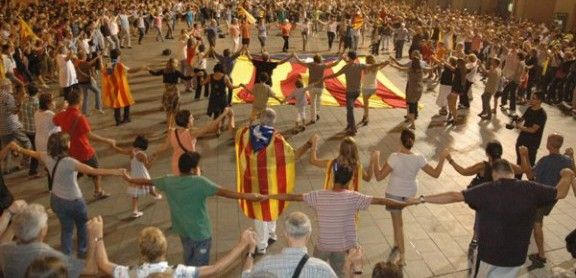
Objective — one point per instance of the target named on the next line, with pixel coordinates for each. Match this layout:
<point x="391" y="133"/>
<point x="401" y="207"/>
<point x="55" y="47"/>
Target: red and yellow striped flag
<point x="357" y="22"/>
<point x="115" y="89"/>
<point x="25" y="30"/>
<point x="269" y="171"/>
<point x="354" y="183"/>
<point x="249" y="17"/>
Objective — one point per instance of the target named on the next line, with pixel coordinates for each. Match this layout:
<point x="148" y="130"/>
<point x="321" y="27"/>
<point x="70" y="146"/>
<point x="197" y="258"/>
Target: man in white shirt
<point x="125" y="29"/>
<point x="66" y="71"/>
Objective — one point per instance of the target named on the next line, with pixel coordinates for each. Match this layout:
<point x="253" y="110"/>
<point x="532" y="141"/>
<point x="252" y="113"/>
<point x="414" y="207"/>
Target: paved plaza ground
<point x="437" y="236"/>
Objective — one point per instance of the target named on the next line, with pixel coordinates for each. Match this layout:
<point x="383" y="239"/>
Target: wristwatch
<point x="97" y="239"/>
<point x="421" y="199"/>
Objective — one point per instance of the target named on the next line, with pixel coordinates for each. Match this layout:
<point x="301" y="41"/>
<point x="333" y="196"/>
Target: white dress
<point x="138" y="170"/>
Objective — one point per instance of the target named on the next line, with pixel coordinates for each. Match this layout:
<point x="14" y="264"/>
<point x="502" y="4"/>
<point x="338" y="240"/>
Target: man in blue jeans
<point x="353" y="72"/>
<point x="187" y="196"/>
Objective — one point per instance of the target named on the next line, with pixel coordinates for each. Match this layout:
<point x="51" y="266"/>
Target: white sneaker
<point x="137" y="214"/>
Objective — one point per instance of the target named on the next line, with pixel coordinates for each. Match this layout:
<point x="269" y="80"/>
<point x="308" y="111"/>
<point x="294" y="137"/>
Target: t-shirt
<point x="15" y="258"/>
<point x="44" y="128"/>
<point x="187" y="200"/>
<point x="316" y="72"/>
<point x="264" y="66"/>
<point x="533" y="117"/>
<point x="261" y="92"/>
<point x="80" y="147"/>
<point x="353" y="74"/>
<point x="65" y="184"/>
<point x="447" y="76"/>
<point x="146" y="269"/>
<point x="336" y="212"/>
<point x="66" y="72"/>
<point x="505" y="211"/>
<point x="547" y="169"/>
<point x="493" y="81"/>
<point x="405" y="167"/>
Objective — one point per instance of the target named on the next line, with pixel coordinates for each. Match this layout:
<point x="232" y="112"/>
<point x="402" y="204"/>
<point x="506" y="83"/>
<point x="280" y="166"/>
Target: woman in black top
<point x="218" y="101"/>
<point x="458" y="89"/>
<point x="171" y="96"/>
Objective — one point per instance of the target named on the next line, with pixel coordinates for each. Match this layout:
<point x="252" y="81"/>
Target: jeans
<point x="350" y="101"/>
<point x="196" y="252"/>
<point x="84" y="88"/>
<point x="71" y="213"/>
<point x="510" y="94"/>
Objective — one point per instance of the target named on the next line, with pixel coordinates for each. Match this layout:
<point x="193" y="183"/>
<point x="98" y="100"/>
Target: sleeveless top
<point x="485" y="177"/>
<point x="187" y="141"/>
<point x="137" y="168"/>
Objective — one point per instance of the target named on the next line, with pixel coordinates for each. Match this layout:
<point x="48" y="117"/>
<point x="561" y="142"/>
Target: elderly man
<point x="505" y="229"/>
<point x="30" y="228"/>
<point x="266" y="164"/>
<point x="294" y="260"/>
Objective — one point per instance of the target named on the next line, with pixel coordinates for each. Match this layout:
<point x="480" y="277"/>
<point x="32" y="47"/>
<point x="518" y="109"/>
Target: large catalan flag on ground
<point x="270" y="170"/>
<point x="285" y="75"/>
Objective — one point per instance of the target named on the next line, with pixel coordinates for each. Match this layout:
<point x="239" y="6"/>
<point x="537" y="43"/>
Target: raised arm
<point x="314" y="155"/>
<point x="247" y="241"/>
<point x="388" y="202"/>
<point x="26" y="152"/>
<point x="435" y="172"/>
<point x="254" y="197"/>
<point x="563" y="187"/>
<point x="286" y="59"/>
<point x="468" y="171"/>
<point x="380" y="172"/>
<point x="96" y="137"/>
<point x="445" y="198"/>
<point x="88" y="170"/>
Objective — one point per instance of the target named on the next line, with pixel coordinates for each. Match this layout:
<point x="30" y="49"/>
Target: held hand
<point x="355" y="256"/>
<point x="111" y="142"/>
<point x="445" y="153"/>
<point x="96" y="227"/>
<point x="567" y="172"/>
<point x="376" y="155"/>
<point x="412" y="201"/>
<point x="523" y="151"/>
<point x="248" y="237"/>
<point x="125" y="175"/>
<point x="569" y="152"/>
<point x="14" y="146"/>
<point x="16" y="206"/>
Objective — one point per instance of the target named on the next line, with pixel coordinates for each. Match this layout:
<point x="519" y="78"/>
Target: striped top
<point x="285" y="263"/>
<point x="336" y="212"/>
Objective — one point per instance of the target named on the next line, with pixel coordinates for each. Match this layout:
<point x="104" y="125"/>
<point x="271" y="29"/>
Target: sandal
<point x="101" y="195"/>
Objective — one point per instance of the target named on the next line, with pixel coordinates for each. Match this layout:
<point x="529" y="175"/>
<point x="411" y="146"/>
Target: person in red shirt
<point x="73" y="122"/>
<point x="285" y="28"/>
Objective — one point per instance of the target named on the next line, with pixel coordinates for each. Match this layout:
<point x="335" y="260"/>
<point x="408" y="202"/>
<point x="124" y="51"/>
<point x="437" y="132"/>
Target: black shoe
<point x="317" y="117"/>
<point x="271" y="241"/>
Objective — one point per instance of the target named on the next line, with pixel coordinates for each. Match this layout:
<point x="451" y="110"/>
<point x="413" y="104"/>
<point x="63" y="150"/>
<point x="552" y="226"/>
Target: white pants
<point x="264" y="231"/>
<point x="315" y="101"/>
<point x="442" y="100"/>
<point x="486" y="270"/>
<point x="301" y="114"/>
<point x="236" y="42"/>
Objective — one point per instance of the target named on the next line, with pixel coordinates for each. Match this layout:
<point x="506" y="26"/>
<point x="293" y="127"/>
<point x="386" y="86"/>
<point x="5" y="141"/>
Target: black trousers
<point x="509" y="93"/>
<point x="286" y="44"/>
<point x="331" y="36"/>
<point x="199" y="85"/>
<point x="33" y="161"/>
<point x="464" y="99"/>
<point x="118" y="115"/>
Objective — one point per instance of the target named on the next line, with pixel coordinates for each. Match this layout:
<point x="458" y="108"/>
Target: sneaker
<point x="157" y="197"/>
<point x="260" y="252"/>
<point x="101" y="195"/>
<point x="137" y="214"/>
<point x="271" y="241"/>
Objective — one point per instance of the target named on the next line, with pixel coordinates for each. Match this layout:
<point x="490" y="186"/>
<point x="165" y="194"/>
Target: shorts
<point x="245" y="41"/>
<point x="543" y="211"/>
<point x="442" y="99"/>
<point x="368" y="91"/>
<point x="395" y="198"/>
<point x="92" y="162"/>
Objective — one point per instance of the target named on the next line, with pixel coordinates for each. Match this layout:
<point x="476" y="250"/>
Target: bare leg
<point x="134" y="204"/>
<point x="398" y="225"/>
<point x="539" y="239"/>
<point x="97" y="184"/>
<point x="366" y="100"/>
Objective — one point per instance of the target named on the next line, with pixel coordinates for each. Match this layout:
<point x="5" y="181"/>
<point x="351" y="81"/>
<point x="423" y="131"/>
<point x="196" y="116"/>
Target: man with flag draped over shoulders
<point x="116" y="91"/>
<point x="265" y="164"/>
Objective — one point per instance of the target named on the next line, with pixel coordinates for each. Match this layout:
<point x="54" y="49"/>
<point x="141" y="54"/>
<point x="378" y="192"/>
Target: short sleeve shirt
<point x="146" y="269"/>
<point x="337" y="217"/>
<point x="533" y="117"/>
<point x="506" y="210"/>
<point x="261" y="93"/>
<point x="405" y="168"/>
<point x="353" y="73"/>
<point x="15" y="258"/>
<point x="80" y="147"/>
<point x="187" y="200"/>
<point x="547" y="169"/>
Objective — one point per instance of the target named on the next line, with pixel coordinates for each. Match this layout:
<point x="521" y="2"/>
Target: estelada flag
<point x="115" y="89"/>
<point x="25" y="30"/>
<point x="285" y="75"/>
<point x="249" y="17"/>
<point x="271" y="170"/>
<point x="354" y="183"/>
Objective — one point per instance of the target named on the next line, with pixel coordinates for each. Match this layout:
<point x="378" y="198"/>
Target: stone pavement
<point x="437" y="236"/>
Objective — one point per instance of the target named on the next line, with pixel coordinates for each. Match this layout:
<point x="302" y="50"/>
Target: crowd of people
<point x="76" y="49"/>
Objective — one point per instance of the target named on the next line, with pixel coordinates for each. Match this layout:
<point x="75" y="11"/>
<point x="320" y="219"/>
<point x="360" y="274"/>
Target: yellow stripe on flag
<point x="25" y="30"/>
<point x="249" y="17"/>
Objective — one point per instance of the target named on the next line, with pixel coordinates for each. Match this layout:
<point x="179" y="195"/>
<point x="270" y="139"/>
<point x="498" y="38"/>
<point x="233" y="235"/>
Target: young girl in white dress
<point x="139" y="164"/>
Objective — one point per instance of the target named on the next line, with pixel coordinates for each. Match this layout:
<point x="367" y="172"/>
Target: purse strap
<point x="300" y="266"/>
<point x="180" y="142"/>
<point x="51" y="176"/>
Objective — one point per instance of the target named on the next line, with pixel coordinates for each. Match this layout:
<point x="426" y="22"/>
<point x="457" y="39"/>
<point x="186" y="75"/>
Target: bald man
<point x="547" y="172"/>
